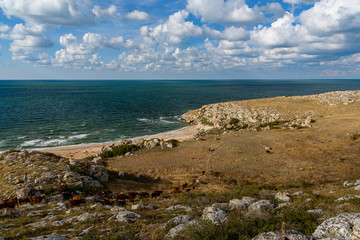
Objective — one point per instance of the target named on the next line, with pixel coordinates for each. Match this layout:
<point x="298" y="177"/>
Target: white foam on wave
<point x="62" y="140"/>
<point x="161" y="120"/>
<point x="21" y="137"/>
<point x="2" y="143"/>
<point x="79" y="136"/>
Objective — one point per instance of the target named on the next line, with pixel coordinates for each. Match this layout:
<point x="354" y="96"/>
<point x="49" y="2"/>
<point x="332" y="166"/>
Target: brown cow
<point x="76" y="202"/>
<point x="23" y="200"/>
<point x="156" y="193"/>
<point x="121" y="197"/>
<point x="132" y="195"/>
<point x="143" y="194"/>
<point x="36" y="199"/>
<point x="8" y="205"/>
<point x="184" y="185"/>
<point x="176" y="191"/>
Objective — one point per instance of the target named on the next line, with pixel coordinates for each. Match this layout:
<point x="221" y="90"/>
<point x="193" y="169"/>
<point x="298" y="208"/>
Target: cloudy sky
<point x="179" y="39"/>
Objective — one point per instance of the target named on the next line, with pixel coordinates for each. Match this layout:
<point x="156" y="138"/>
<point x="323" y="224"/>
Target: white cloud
<point x="300" y="1"/>
<point x="84" y="54"/>
<point x="138" y="16"/>
<point x="59" y="12"/>
<point x="281" y="33"/>
<point x="102" y="13"/>
<point x="173" y="30"/>
<point x="232" y="33"/>
<point x="332" y="16"/>
<point x="220" y="11"/>
<point x="4" y="28"/>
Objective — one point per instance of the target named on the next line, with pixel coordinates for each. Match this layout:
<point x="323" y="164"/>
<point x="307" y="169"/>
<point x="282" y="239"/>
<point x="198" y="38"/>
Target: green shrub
<point x="119" y="150"/>
<point x="234" y="121"/>
<point x="355" y="136"/>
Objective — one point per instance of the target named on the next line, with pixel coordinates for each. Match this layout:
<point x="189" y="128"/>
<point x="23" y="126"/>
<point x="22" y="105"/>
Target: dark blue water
<point x="36" y="114"/>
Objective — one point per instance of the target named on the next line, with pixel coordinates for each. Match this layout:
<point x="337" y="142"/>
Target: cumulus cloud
<point x="220" y="11"/>
<point x="4" y="28"/>
<point x="300" y="1"/>
<point x="332" y="16"/>
<point x="59" y="12"/>
<point x="84" y="54"/>
<point x="232" y="33"/>
<point x="281" y="33"/>
<point x="138" y="16"/>
<point x="173" y="30"/>
<point x="102" y="13"/>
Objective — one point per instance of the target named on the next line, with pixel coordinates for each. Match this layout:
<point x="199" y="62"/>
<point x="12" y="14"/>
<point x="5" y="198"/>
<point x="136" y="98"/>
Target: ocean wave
<point x="62" y="140"/>
<point x="161" y="120"/>
<point x="21" y="137"/>
<point x="2" y="143"/>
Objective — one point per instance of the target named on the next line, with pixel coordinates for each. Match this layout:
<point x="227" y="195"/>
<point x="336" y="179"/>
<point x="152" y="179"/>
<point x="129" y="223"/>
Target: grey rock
<point x="283" y="196"/>
<point x="141" y="207"/>
<point x="179" y="220"/>
<point x="86" y="231"/>
<point x="242" y="204"/>
<point x="84" y="217"/>
<point x="176" y="207"/>
<point x="174" y="232"/>
<point x="222" y="206"/>
<point x="23" y="192"/>
<point x="261" y="208"/>
<point x="214" y="215"/>
<point x="117" y="209"/>
<point x="38" y="224"/>
<point x="347" y="198"/>
<point x="344" y="226"/>
<point x="56" y="198"/>
<point x="316" y="211"/>
<point x="278" y="235"/>
<point x="127" y="216"/>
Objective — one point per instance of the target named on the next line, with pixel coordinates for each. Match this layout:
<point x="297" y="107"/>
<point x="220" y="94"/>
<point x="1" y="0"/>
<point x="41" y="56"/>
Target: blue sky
<point x="179" y="39"/>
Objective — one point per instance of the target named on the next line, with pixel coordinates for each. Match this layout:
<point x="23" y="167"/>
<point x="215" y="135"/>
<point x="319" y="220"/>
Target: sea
<point x="42" y="114"/>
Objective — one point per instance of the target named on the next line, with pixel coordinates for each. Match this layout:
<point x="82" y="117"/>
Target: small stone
<point x="242" y="204"/>
<point x="127" y="216"/>
<point x="283" y="196"/>
<point x="261" y="208"/>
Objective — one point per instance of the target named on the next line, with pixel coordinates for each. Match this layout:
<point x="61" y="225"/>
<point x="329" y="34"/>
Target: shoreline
<point x="85" y="150"/>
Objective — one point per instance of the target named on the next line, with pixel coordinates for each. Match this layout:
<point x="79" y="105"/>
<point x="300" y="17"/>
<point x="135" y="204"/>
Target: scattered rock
<point x="176" y="207"/>
<point x="174" y="232"/>
<point x="261" y="208"/>
<point x="343" y="226"/>
<point x="214" y="215"/>
<point x="316" y="211"/>
<point x="278" y="235"/>
<point x="180" y="220"/>
<point x="242" y="204"/>
<point x="283" y="196"/>
<point x="347" y="198"/>
<point x="127" y="216"/>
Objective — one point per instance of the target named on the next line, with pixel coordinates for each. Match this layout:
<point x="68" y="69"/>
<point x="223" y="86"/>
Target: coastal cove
<point x="43" y="114"/>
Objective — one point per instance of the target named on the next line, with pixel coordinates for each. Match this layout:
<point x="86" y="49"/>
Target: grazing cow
<point x="121" y="203"/>
<point x="23" y="200"/>
<point x="76" y="202"/>
<point x="156" y="193"/>
<point x="107" y="194"/>
<point x="121" y="197"/>
<point x="188" y="189"/>
<point x="67" y="195"/>
<point x="11" y="200"/>
<point x="212" y="172"/>
<point x="77" y="198"/>
<point x="63" y="187"/>
<point x="176" y="191"/>
<point x="203" y="173"/>
<point x="8" y="205"/>
<point x="36" y="199"/>
<point x="184" y="185"/>
<point x="87" y="165"/>
<point x="106" y="201"/>
<point x="132" y="195"/>
<point x="193" y="187"/>
<point x="143" y="194"/>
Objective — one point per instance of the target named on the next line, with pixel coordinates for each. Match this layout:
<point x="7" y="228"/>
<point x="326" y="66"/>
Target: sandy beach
<point x="82" y="151"/>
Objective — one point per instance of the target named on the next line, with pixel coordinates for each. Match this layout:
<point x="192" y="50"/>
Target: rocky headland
<point x="278" y="168"/>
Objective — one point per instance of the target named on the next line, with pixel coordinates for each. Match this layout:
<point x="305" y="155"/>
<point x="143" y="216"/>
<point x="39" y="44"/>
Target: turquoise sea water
<point x="38" y="114"/>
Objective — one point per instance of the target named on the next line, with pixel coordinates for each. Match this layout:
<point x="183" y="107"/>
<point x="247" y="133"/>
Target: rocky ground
<point x="280" y="168"/>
